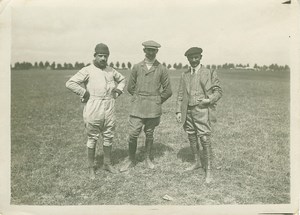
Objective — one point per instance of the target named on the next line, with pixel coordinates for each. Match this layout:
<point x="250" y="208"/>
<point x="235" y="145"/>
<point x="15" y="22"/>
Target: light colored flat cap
<point x="150" y="44"/>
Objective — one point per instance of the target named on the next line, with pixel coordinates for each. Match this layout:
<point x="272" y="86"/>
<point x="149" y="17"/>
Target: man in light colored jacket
<point x="98" y="94"/>
<point x="199" y="90"/>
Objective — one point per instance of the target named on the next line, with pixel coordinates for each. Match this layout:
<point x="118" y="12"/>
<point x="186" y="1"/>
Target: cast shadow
<point x="159" y="150"/>
<point x="119" y="155"/>
<point x="185" y="155"/>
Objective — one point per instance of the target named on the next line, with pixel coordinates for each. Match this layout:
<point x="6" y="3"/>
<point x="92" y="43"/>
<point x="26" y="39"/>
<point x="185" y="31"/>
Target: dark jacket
<point x="149" y="89"/>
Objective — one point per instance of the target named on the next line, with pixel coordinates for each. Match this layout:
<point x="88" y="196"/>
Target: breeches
<point x="99" y="119"/>
<point x="197" y="121"/>
<point x="136" y="124"/>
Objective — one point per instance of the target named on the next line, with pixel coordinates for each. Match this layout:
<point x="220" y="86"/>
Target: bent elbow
<point x="69" y="85"/>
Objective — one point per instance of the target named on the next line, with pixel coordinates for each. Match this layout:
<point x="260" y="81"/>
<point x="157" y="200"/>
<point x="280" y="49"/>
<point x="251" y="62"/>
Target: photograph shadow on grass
<point x="185" y="155"/>
<point x="159" y="150"/>
<point x="119" y="155"/>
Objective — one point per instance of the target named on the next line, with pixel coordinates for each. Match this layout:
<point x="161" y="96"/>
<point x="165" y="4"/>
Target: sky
<point x="228" y="31"/>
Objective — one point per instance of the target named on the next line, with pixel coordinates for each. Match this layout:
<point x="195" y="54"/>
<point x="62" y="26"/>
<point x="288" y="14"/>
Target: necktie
<point x="193" y="71"/>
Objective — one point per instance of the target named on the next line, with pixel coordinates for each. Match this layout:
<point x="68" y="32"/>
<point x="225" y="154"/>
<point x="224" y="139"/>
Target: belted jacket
<point x="149" y="89"/>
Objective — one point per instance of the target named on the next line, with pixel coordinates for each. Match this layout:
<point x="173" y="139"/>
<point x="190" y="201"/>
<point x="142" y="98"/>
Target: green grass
<point x="250" y="144"/>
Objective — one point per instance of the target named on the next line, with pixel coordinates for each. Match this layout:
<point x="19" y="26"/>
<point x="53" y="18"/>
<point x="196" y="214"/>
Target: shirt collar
<point x="196" y="68"/>
<point x="147" y="61"/>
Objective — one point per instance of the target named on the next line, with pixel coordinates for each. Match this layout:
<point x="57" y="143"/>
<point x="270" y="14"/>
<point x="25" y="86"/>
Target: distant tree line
<point x="64" y="66"/>
<point x="272" y="67"/>
<point x="128" y="65"/>
<point x="47" y="65"/>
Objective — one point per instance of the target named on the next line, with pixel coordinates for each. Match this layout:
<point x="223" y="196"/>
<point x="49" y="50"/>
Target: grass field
<point x="250" y="144"/>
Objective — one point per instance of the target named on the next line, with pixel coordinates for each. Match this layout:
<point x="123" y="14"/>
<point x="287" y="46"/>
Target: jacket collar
<point x="152" y="69"/>
<point x="198" y="68"/>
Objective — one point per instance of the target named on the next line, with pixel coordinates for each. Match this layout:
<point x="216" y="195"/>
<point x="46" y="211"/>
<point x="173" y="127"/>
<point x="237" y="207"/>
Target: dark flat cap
<point x="193" y="50"/>
<point x="101" y="48"/>
<point x="150" y="44"/>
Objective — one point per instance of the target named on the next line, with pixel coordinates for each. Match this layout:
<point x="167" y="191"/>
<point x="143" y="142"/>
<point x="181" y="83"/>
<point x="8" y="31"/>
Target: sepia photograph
<point x="149" y="107"/>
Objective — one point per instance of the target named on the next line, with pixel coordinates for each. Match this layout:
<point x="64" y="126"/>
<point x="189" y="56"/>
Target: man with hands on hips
<point x="98" y="94"/>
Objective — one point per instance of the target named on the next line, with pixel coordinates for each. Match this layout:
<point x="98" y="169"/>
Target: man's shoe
<point x="126" y="165"/>
<point x="149" y="163"/>
<point x="107" y="160"/>
<point x="110" y="168"/>
<point x="196" y="165"/>
<point x="208" y="176"/>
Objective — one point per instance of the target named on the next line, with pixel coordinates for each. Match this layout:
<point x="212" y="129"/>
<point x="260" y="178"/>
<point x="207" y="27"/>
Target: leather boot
<point x="149" y="146"/>
<point x="107" y="159"/>
<point x="207" y="151"/>
<point x="196" y="152"/>
<point x="130" y="160"/>
<point x="91" y="159"/>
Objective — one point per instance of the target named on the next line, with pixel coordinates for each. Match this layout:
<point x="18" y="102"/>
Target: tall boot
<point x="196" y="152"/>
<point x="199" y="152"/>
<point x="207" y="151"/>
<point x="149" y="147"/>
<point x="130" y="160"/>
<point x="91" y="160"/>
<point x="107" y="159"/>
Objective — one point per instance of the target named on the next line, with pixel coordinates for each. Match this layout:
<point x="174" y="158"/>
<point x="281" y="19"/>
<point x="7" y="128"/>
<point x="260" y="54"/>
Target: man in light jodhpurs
<point x="98" y="94"/>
